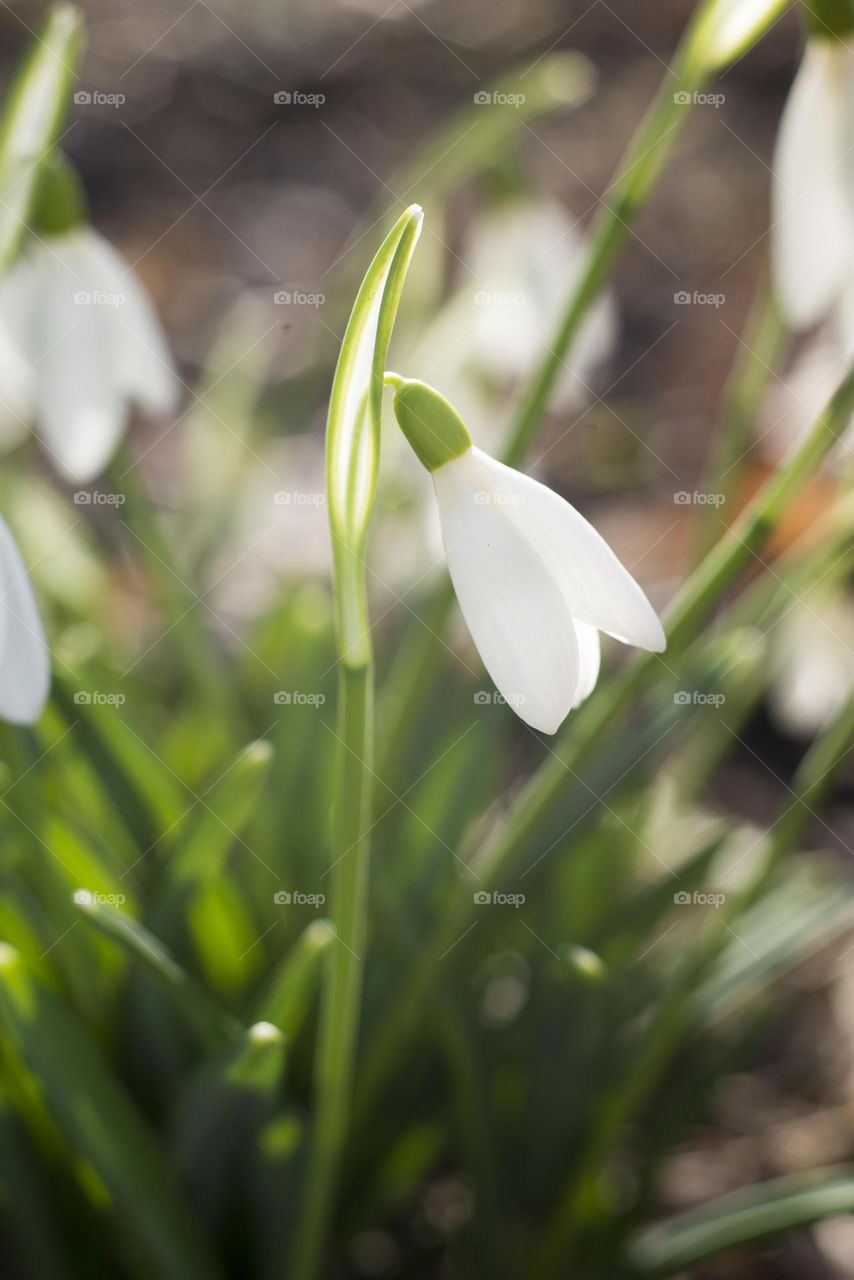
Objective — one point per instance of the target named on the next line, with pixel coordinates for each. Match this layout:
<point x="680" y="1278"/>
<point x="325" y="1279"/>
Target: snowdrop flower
<point x="87" y="344"/>
<point x="24" y="663"/>
<point x="536" y="583"/>
<point x="812" y="247"/>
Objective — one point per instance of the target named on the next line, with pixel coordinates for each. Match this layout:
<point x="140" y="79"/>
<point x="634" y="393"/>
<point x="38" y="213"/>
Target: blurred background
<point x="245" y="158"/>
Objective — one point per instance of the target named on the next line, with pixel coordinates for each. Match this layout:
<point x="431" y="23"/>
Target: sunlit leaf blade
<point x="213" y="1023"/>
<point x="288" y="996"/>
<point x="783" y="1204"/>
<point x="235" y="1143"/>
<point x="112" y="1151"/>
<point x="214" y="825"/>
<point x="32" y="120"/>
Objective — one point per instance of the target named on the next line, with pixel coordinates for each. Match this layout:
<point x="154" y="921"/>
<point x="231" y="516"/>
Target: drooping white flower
<point x="536" y="583"/>
<point x="88" y="343"/>
<point x="24" y="661"/>
<point x="812" y="246"/>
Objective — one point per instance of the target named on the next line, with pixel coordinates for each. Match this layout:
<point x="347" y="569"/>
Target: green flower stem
<point x="753" y="365"/>
<point x="587" y="729"/>
<point x="352" y="460"/>
<point x="342" y="994"/>
<point x="640" y="169"/>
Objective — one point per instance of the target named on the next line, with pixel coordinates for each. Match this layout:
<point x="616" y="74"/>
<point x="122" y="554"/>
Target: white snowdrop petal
<point x="513" y="606"/>
<point x="598" y="589"/>
<point x="589" y="658"/>
<point x="812" y="241"/>
<point x="143" y="368"/>
<point x="24" y="659"/>
<point x="80" y="413"/>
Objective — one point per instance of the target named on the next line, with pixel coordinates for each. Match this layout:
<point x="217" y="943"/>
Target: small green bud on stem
<point x="436" y="432"/>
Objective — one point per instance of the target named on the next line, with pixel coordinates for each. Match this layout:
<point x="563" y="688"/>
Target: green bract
<point x="353" y="428"/>
<point x="32" y="120"/>
<point x="435" y="430"/>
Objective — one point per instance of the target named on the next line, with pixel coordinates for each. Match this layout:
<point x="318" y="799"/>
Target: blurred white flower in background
<point x="813" y="662"/>
<point x="812" y="244"/>
<point x="79" y="343"/>
<point x="524" y="258"/>
<point x="24" y="661"/>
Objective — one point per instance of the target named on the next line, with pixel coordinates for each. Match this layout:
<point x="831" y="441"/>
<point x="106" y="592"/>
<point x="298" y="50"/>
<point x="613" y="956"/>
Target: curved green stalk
<point x="352" y="455"/>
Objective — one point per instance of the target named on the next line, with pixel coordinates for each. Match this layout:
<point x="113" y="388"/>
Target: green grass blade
<point x="212" y="1023"/>
<point x="112" y="1151"/>
<point x="744" y="1217"/>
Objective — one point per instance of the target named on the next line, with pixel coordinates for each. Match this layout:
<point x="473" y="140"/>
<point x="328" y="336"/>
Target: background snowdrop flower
<point x="24" y="662"/>
<point x="87" y="336"/>
<point x="812" y="244"/>
<point x="522" y="259"/>
<point x="535" y="581"/>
